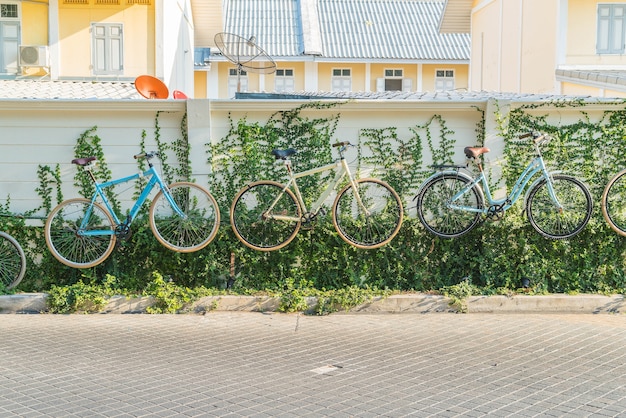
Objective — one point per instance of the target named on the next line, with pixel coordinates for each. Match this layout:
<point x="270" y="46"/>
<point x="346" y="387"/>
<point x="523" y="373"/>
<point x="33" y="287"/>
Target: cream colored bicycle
<point x="266" y="215"/>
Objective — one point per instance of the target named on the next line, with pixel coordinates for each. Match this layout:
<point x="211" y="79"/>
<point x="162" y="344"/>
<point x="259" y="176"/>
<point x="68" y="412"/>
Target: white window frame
<point x="393" y="74"/>
<point x="107" y="49"/>
<point x="341" y="80"/>
<point x="284" y="80"/>
<point x="10" y="61"/>
<point x="445" y="79"/>
<point x="611" y="28"/>
<point x="233" y="79"/>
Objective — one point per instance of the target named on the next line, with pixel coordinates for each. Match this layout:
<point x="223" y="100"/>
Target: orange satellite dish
<point x="151" y="87"/>
<point x="177" y="94"/>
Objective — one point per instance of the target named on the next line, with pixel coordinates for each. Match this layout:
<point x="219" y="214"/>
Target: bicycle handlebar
<point x="342" y="144"/>
<point x="537" y="138"/>
<point x="147" y="155"/>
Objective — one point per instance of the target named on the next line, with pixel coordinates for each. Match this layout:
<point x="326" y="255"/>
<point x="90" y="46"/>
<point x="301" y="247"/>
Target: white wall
<point x="45" y="133"/>
<point x="34" y="133"/>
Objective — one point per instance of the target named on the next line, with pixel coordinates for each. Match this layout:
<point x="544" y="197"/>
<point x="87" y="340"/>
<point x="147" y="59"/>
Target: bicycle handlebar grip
<point x="341" y="144"/>
<point x="146" y="155"/>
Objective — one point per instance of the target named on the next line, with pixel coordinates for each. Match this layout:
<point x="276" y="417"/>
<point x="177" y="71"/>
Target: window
<point x="237" y="83"/>
<point x="108" y="51"/>
<point x="393" y="80"/>
<point x="284" y="80"/>
<point x="10" y="36"/>
<point x="341" y="80"/>
<point x="611" y="25"/>
<point x="202" y="58"/>
<point x="444" y="80"/>
<point x="8" y="11"/>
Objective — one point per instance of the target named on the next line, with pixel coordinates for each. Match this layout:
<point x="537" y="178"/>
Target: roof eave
<point x="456" y="17"/>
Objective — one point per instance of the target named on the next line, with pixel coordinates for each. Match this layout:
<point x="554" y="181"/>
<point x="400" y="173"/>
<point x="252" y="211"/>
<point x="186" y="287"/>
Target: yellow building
<point x="337" y="46"/>
<point x="572" y="47"/>
<point x="316" y="45"/>
<point x="98" y="40"/>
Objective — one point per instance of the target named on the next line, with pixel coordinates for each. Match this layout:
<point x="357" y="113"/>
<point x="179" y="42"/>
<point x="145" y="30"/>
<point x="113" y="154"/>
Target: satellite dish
<point x="177" y="94"/>
<point x="245" y="54"/>
<point x="151" y="87"/>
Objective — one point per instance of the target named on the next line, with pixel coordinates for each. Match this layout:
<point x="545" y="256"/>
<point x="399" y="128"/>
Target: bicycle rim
<point x="63" y="238"/>
<point x="434" y="213"/>
<point x="252" y="221"/>
<point x="551" y="222"/>
<point x="372" y="222"/>
<point x="614" y="203"/>
<point x="192" y="231"/>
<point x="12" y="261"/>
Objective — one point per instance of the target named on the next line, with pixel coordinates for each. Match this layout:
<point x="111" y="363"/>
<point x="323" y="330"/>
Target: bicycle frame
<point x="153" y="180"/>
<point x="535" y="166"/>
<point x="342" y="169"/>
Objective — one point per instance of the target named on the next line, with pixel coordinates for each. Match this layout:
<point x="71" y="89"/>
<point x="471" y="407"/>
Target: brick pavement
<point x="233" y="364"/>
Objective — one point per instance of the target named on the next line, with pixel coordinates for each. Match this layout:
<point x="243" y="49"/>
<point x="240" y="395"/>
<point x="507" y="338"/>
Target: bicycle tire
<point x="614" y="203"/>
<point x="550" y="222"/>
<point x="251" y="223"/>
<point x="189" y="233"/>
<point x="434" y="213"/>
<point x="72" y="249"/>
<point x="12" y="262"/>
<point x="373" y="227"/>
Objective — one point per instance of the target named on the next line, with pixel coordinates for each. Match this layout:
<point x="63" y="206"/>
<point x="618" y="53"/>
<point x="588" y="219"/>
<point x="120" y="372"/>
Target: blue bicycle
<point x="82" y="233"/>
<point x="450" y="203"/>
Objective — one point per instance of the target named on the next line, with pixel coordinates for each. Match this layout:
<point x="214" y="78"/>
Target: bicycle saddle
<point x="282" y="154"/>
<point x="473" y="152"/>
<point x="83" y="161"/>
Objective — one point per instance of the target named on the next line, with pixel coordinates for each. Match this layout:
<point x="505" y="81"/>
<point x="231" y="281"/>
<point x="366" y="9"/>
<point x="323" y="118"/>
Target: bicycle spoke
<point x="371" y="221"/>
<point x="252" y="219"/>
<point x="614" y="203"/>
<point x="191" y="230"/>
<point x="554" y="222"/>
<point x="12" y="261"/>
<point x="67" y="243"/>
<point x="435" y="213"/>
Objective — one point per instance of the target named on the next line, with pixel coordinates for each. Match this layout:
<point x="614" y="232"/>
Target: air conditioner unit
<point x="33" y="56"/>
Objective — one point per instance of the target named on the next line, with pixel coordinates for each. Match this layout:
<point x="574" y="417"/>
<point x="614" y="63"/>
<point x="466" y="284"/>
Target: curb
<point x="407" y="303"/>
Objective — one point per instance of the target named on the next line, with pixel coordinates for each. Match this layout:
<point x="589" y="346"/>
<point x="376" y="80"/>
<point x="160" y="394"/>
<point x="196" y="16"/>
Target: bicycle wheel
<point x="66" y="243"/>
<point x="614" y="203"/>
<point x="254" y="213"/>
<point x="551" y="222"/>
<point x="433" y="209"/>
<point x="12" y="261"/>
<point x="370" y="219"/>
<point x="191" y="232"/>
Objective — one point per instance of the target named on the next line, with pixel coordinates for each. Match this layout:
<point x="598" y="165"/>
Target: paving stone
<point x="266" y="364"/>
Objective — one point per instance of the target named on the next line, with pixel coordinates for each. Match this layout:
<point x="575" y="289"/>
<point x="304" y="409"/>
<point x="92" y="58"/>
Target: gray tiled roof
<point x="616" y="78"/>
<point x="434" y="96"/>
<point x="347" y="29"/>
<point x="45" y="89"/>
<point x="388" y="29"/>
<point x="274" y="23"/>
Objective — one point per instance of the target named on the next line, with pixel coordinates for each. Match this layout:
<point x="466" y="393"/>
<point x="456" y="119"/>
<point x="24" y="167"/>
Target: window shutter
<point x="380" y="84"/>
<point x="407" y="84"/>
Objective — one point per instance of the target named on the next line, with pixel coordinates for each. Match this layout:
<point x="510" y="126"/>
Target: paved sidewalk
<point x="235" y="364"/>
